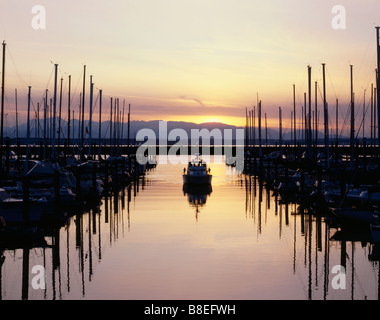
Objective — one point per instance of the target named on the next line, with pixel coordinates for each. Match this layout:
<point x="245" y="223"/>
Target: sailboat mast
<point x="294" y="115"/>
<point x="316" y="115"/>
<point x="326" y="114"/>
<point x="90" y="125"/>
<point x="259" y="123"/>
<point x="59" y="115"/>
<point x="16" y="115"/>
<point x="280" y="128"/>
<point x="54" y="109"/>
<point x="69" y="113"/>
<point x="82" y="112"/>
<point x="100" y="120"/>
<point x="2" y="104"/>
<point x="27" y="133"/>
<point x="129" y="125"/>
<point x="352" y="135"/>
<point x="309" y="139"/>
<point x="378" y="82"/>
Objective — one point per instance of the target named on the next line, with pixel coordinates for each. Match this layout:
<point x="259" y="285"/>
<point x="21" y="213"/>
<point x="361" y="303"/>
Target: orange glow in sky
<point x="199" y="61"/>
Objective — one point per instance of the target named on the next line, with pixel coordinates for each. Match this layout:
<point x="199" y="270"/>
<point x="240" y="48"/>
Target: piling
<point x="26" y="204"/>
<point x="57" y="188"/>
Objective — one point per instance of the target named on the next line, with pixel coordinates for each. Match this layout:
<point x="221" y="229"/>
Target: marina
<point x="101" y="200"/>
<point x="153" y="240"/>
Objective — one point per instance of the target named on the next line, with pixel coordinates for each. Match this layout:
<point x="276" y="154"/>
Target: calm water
<point x="154" y="241"/>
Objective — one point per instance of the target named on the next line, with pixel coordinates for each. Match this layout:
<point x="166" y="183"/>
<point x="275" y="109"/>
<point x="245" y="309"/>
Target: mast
<point x="111" y="149"/>
<point x="280" y="128"/>
<point x="38" y="121"/>
<point x="250" y="128"/>
<point x="326" y="115"/>
<point x="27" y="133"/>
<point x="16" y="115"/>
<point x="100" y="121"/>
<point x="254" y="126"/>
<point x="2" y="104"/>
<point x="90" y="116"/>
<point x="83" y="95"/>
<point x="371" y="114"/>
<point x="309" y="116"/>
<point x="45" y="114"/>
<point x="129" y="126"/>
<point x="69" y="114"/>
<point x="378" y="82"/>
<point x="259" y="124"/>
<point x="316" y="115"/>
<point x="363" y="124"/>
<point x="59" y="116"/>
<point x="54" y="109"/>
<point x="352" y="135"/>
<point x="336" y="121"/>
<point x="306" y="131"/>
<point x="266" y="130"/>
<point x="294" y="115"/>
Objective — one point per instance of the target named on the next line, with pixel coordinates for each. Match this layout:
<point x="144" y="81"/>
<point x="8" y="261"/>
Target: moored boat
<point x="197" y="172"/>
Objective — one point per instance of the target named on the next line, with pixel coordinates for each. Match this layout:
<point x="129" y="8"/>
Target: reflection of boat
<point x="354" y="215"/>
<point x="375" y="230"/>
<point x="13" y="210"/>
<point x="197" y="195"/>
<point x="197" y="172"/>
<point x="14" y="236"/>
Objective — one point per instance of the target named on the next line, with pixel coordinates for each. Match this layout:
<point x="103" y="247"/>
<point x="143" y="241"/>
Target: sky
<point x="198" y="60"/>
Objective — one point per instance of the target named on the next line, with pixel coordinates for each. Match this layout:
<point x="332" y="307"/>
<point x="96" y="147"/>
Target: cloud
<point x="193" y="99"/>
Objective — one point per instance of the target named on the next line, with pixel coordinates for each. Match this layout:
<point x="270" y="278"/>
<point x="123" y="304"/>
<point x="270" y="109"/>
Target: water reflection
<point x="251" y="244"/>
<point x="70" y="254"/>
<point x="197" y="195"/>
<point x="317" y="244"/>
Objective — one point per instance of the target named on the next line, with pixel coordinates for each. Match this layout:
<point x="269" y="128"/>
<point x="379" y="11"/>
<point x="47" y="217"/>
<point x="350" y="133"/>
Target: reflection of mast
<point x="309" y="238"/>
<point x="89" y="245"/>
<point x="197" y="196"/>
<point x="25" y="274"/>
<point x="326" y="263"/>
<point x="2" y="258"/>
<point x="68" y="257"/>
<point x="295" y="243"/>
<point x="79" y="245"/>
<point x="259" y="209"/>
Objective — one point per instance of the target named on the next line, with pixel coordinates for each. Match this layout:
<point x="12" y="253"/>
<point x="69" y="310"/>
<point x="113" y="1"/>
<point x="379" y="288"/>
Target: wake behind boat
<point x="197" y="172"/>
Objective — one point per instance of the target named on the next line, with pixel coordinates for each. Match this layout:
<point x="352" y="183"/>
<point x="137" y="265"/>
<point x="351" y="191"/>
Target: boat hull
<point x="355" y="216"/>
<point x="375" y="233"/>
<point x="13" y="211"/>
<point x="197" y="180"/>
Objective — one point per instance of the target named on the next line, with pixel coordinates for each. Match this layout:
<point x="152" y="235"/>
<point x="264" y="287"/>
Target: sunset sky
<point x="198" y="60"/>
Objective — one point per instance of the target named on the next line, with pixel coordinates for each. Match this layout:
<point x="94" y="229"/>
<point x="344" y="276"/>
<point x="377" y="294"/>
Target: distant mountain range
<point x="121" y="130"/>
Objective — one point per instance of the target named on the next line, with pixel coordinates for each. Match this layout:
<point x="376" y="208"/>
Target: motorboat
<point x="197" y="172"/>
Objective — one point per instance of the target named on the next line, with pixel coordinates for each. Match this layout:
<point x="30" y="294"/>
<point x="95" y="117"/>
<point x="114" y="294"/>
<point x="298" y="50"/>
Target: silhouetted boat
<point x="353" y="215"/>
<point x="197" y="172"/>
<point x="13" y="209"/>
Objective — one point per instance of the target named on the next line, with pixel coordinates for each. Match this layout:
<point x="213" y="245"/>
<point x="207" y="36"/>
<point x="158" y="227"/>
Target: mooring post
<point x="57" y="188"/>
<point x="94" y="177"/>
<point x="78" y="178"/>
<point x="25" y="192"/>
<point x="7" y="157"/>
<point x="319" y="183"/>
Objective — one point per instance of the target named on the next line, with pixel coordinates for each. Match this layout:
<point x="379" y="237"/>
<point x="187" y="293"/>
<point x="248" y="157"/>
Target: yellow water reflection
<point x="149" y="242"/>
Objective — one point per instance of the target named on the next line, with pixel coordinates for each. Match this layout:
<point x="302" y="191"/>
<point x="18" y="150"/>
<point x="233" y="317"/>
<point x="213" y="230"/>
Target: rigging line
<point x="371" y="40"/>
<point x="14" y="66"/>
<point x="332" y="84"/>
<point x="345" y="122"/>
<point x="361" y="122"/>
